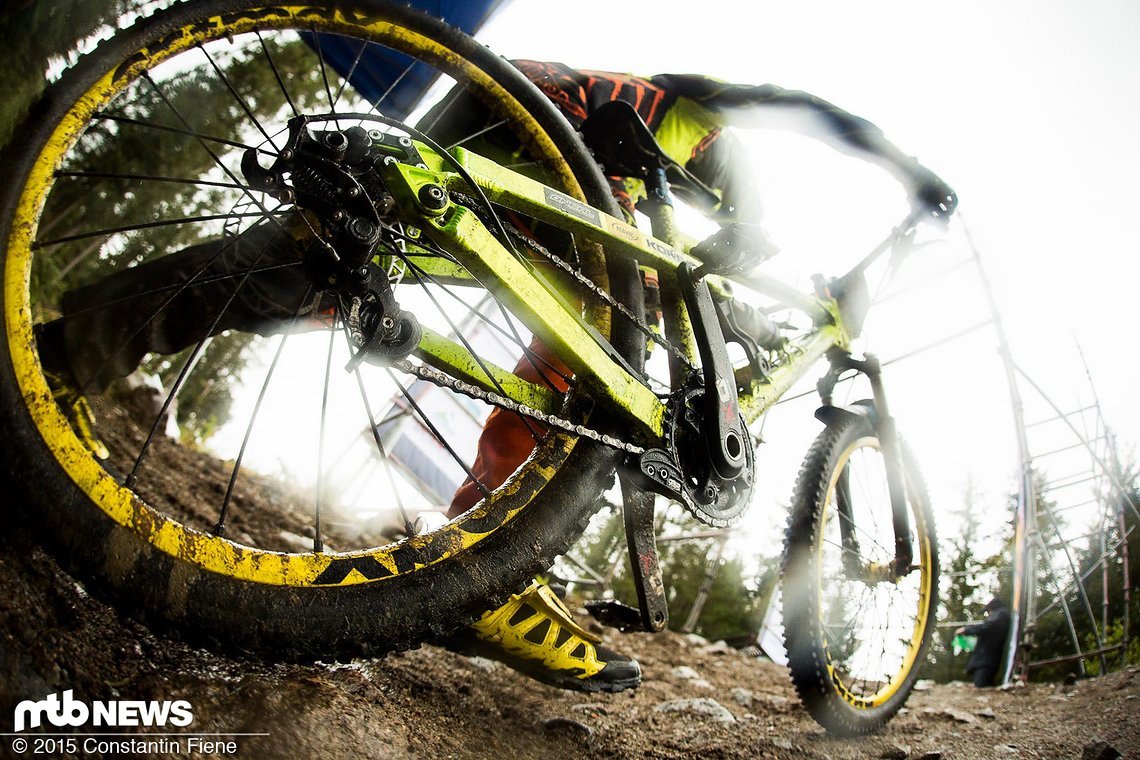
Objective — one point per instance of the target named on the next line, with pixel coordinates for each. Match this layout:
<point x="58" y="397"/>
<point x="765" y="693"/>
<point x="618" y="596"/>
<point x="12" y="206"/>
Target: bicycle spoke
<point x="147" y="226"/>
<point x="238" y="98"/>
<point x="438" y="436"/>
<point x="318" y="545"/>
<point x="277" y="74"/>
<point x="149" y="178"/>
<point x="351" y="70"/>
<point x="220" y="527"/>
<point x="472" y="136"/>
<point x="374" y="428"/>
<point x="324" y="70"/>
<point x="179" y="286"/>
<point x="179" y="130"/>
<point x="375" y="107"/>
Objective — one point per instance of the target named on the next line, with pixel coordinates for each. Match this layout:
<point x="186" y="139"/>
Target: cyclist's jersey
<point x="687" y="114"/>
<point x="689" y="133"/>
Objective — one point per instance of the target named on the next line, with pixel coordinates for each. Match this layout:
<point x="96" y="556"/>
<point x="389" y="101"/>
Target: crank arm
<point x="723" y="426"/>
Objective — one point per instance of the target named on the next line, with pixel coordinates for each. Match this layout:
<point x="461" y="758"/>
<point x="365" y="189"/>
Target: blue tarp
<point x="384" y="73"/>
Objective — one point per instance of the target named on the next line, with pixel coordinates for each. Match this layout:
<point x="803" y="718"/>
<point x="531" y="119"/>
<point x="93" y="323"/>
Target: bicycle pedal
<point x="735" y="248"/>
<point x="615" y="614"/>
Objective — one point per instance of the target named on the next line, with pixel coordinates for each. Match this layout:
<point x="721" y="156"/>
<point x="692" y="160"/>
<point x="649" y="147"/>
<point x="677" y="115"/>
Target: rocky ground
<point x="698" y="700"/>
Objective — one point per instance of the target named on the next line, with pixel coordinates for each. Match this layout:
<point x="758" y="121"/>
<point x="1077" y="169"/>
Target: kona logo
<point x="72" y="712"/>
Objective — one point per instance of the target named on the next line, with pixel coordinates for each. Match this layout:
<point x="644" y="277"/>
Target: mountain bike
<point x="427" y="269"/>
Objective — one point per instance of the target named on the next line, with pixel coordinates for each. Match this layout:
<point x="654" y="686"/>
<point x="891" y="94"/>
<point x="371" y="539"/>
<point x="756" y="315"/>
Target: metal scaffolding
<point x="1045" y="544"/>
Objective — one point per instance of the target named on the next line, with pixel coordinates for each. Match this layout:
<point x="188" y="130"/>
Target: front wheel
<point x="855" y="628"/>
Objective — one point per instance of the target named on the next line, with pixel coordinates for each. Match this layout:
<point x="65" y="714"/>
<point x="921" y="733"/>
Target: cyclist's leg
<point x="506" y="440"/>
<point x="170" y="303"/>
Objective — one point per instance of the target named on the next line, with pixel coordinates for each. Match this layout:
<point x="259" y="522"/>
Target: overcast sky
<point x="1029" y="109"/>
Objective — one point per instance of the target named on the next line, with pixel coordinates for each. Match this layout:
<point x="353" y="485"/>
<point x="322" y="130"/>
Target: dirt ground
<point x="433" y="703"/>
<point x="697" y="700"/>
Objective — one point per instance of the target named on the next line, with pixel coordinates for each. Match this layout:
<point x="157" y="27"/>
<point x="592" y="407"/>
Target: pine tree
<point x="965" y="586"/>
<point x="35" y="33"/>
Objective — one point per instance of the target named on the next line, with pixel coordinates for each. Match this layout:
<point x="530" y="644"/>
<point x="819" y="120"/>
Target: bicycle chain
<point x="433" y="375"/>
<point x="602" y="295"/>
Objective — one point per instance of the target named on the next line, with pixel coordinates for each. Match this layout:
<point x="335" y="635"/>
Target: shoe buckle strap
<point x="553" y="607"/>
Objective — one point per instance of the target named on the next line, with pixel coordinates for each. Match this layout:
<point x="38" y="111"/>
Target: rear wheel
<point x="855" y="629"/>
<point x="127" y="196"/>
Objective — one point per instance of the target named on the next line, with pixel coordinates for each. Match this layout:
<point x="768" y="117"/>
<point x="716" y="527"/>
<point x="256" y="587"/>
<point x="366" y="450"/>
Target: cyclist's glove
<point x="929" y="195"/>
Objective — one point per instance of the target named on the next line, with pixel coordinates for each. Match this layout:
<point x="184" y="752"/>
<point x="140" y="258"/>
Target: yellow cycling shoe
<point x="535" y="634"/>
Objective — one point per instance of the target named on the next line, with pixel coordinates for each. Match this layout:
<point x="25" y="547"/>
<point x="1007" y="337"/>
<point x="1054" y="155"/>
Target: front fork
<point x="884" y="425"/>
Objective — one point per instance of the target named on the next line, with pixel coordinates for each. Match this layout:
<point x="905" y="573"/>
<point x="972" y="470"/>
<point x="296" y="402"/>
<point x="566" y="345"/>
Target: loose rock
<point x="1100" y="750"/>
<point x="719" y="647"/>
<point x="482" y="663"/>
<point x="568" y="725"/>
<point x="702" y="707"/>
<point x="742" y="696"/>
<point x="686" y="673"/>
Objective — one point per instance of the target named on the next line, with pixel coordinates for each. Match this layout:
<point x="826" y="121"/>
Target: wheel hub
<point x="332" y="178"/>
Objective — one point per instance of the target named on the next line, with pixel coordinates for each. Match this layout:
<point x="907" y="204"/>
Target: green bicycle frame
<point x="550" y="315"/>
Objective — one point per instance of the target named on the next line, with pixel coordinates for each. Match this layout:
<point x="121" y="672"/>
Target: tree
<point x="35" y="33"/>
<point x="1101" y="563"/>
<point x="968" y="581"/>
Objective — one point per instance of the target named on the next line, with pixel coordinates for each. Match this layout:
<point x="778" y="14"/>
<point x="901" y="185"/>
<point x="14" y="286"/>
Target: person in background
<point x="993" y="634"/>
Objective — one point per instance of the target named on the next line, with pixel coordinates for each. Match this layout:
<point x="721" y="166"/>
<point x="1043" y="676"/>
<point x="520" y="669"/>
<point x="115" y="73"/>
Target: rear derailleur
<point x="333" y="179"/>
